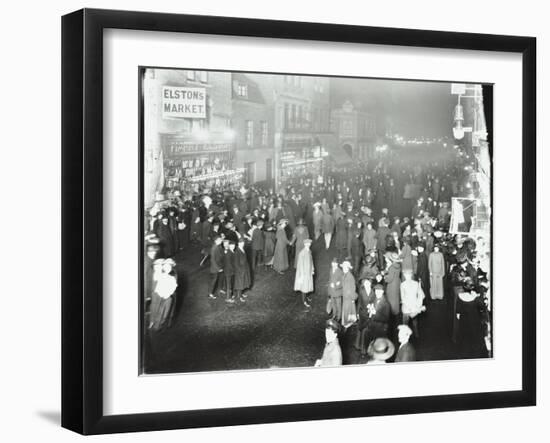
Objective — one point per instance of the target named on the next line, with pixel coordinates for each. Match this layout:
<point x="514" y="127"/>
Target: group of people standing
<point x="384" y="269"/>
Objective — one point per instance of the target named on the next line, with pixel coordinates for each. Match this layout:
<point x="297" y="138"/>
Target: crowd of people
<point x="386" y="269"/>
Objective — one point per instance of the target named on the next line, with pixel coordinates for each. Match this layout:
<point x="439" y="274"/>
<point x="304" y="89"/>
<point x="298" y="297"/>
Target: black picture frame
<point x="82" y="220"/>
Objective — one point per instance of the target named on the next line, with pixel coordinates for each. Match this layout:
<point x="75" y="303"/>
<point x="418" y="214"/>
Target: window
<point x="249" y="134"/>
<point x="347" y="128"/>
<point x="190" y="75"/>
<point x="242" y="90"/>
<point x="204" y="76"/>
<point x="299" y="117"/>
<point x="292" y="116"/>
<point x="264" y="129"/>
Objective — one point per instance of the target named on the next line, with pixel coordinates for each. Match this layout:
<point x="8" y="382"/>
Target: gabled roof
<point x="254" y="94"/>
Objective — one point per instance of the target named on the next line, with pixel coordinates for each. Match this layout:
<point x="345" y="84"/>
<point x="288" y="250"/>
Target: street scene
<point x="295" y="221"/>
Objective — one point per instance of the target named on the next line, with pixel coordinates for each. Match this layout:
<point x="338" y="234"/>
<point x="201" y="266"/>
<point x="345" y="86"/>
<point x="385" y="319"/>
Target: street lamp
<point x="458" y="128"/>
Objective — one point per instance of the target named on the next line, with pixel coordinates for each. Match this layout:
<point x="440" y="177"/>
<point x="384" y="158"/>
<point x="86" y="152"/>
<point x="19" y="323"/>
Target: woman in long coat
<point x="280" y="258"/>
<point x="242" y="271"/>
<point x="301" y="233"/>
<point x="317" y="219"/>
<point x="406" y="255"/>
<point x="349" y="295"/>
<point x="269" y="245"/>
<point x="436" y="265"/>
<point x="341" y="238"/>
<point x="393" y="281"/>
<point x="162" y="300"/>
<point x="303" y="281"/>
<point x="369" y="237"/>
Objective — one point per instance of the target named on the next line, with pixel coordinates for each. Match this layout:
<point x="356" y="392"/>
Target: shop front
<point x="190" y="165"/>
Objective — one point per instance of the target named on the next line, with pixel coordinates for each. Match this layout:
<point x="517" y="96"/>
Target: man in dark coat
<point x="356" y="250"/>
<point x="242" y="272"/>
<point x="422" y="270"/>
<point x="258" y="244"/>
<point x="406" y="351"/>
<point x="148" y="286"/>
<point x="335" y="290"/>
<point x="166" y="239"/>
<point x="216" y="266"/>
<point x="229" y="269"/>
<point x="381" y="234"/>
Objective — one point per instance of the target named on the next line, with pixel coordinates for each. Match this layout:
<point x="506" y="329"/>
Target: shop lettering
<point x="180" y="102"/>
<point x="183" y="109"/>
<point x="184" y="94"/>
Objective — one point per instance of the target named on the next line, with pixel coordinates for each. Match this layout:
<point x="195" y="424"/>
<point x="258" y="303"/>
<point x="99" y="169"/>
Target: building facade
<point x="301" y="119"/>
<point x="252" y="123"/>
<point x="188" y="141"/>
<point x="355" y="130"/>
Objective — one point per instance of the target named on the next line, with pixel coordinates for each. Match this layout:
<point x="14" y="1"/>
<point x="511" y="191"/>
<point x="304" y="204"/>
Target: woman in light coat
<point x="436" y="266"/>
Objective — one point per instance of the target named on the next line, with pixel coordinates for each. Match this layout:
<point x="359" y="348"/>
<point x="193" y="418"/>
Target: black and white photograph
<point x="294" y="221"/>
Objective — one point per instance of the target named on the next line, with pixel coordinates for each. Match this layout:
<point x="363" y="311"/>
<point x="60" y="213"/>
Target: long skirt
<point x="349" y="314"/>
<point x="161" y="312"/>
<point x="436" y="287"/>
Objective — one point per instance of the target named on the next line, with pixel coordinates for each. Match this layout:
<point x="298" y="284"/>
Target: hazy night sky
<point x="415" y="108"/>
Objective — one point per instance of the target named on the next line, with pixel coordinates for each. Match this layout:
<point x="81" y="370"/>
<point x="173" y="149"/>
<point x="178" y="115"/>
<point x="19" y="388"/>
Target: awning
<point x="330" y="143"/>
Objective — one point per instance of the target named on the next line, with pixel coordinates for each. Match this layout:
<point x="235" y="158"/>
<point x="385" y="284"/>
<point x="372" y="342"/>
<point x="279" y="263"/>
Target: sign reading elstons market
<point x="180" y="102"/>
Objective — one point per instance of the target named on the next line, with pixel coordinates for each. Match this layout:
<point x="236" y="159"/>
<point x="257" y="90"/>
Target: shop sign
<point x="178" y="149"/>
<point x="180" y="102"/>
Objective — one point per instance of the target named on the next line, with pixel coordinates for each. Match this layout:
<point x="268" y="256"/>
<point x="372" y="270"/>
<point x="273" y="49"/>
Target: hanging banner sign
<point x="180" y="102"/>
